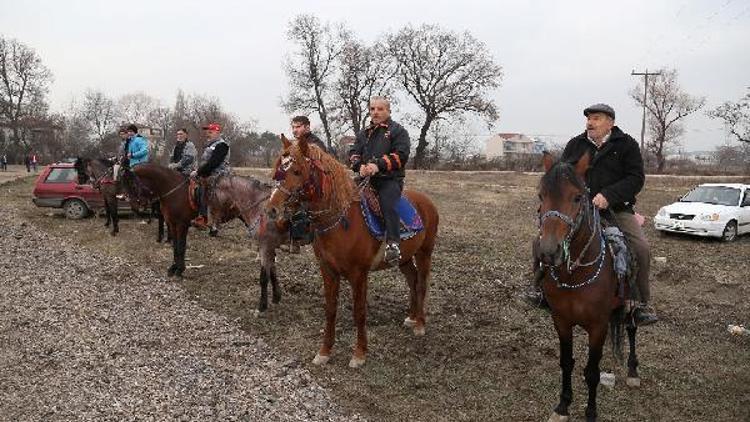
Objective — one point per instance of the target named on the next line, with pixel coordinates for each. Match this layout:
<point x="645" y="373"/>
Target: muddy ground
<point x="487" y="354"/>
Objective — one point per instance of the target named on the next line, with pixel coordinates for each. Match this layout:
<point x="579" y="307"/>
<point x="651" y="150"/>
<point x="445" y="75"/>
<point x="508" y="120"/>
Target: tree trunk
<point x="422" y="144"/>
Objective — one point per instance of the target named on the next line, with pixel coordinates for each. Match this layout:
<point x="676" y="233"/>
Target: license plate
<point x="678" y="225"/>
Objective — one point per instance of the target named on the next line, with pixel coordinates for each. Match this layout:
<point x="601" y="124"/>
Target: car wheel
<point x="75" y="209"/>
<point x="730" y="232"/>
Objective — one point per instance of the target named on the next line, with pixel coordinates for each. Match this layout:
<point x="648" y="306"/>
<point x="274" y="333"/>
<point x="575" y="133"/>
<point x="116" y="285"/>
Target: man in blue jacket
<point x="381" y="151"/>
<point x="137" y="147"/>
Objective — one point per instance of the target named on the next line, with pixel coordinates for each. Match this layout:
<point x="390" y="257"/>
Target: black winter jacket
<point x="616" y="169"/>
<point x="386" y="145"/>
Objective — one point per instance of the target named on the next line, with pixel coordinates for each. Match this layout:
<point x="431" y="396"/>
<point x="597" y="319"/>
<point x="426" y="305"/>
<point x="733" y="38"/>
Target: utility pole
<point x="645" y="75"/>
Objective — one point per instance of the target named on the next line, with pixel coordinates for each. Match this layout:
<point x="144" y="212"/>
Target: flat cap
<point x="599" y="108"/>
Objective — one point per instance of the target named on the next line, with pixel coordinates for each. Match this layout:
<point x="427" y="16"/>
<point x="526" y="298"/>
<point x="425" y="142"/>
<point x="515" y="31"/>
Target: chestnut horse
<point x="232" y="197"/>
<point x="99" y="172"/>
<point x="580" y="284"/>
<point x="308" y="177"/>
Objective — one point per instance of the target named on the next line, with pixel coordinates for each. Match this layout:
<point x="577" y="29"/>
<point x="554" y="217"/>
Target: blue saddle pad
<point x="411" y="222"/>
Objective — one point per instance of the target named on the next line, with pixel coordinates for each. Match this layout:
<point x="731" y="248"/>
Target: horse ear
<point x="547" y="160"/>
<point x="583" y="164"/>
<point x="285" y="141"/>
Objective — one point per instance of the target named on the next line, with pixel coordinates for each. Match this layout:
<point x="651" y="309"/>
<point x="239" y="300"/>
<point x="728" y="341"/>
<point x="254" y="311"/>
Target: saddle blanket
<point x="411" y="222"/>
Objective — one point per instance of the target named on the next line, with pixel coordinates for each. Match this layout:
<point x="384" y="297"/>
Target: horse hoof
<point x="419" y="331"/>
<point x="633" y="382"/>
<point x="356" y="362"/>
<point x="558" y="418"/>
<point x="260" y="314"/>
<point x="320" y="359"/>
<point x="410" y="322"/>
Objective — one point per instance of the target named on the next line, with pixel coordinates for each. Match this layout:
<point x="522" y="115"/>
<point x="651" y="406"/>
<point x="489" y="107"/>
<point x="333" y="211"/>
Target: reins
<point x="589" y="210"/>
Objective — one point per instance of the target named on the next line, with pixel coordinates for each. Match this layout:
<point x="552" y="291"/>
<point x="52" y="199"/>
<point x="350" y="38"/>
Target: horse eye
<point x="296" y="172"/>
<point x="540" y="197"/>
<point x="578" y="198"/>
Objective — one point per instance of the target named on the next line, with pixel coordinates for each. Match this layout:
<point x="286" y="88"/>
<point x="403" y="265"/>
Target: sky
<point x="557" y="56"/>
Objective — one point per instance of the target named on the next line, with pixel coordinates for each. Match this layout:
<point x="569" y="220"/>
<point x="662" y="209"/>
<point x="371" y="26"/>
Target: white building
<point x="503" y="144"/>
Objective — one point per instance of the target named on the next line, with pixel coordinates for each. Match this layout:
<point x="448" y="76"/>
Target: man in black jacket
<point x="381" y="151"/>
<point x="614" y="178"/>
<point x="214" y="164"/>
<point x="301" y="129"/>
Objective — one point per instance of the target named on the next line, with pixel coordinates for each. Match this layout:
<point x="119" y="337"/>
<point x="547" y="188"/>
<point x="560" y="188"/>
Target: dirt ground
<point x="487" y="355"/>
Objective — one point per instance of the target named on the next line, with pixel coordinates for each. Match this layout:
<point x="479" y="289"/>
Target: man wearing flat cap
<point x="214" y="164"/>
<point x="614" y="178"/>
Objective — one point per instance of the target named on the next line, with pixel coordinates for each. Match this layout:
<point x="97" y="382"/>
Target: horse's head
<point x="295" y="177"/>
<point x="564" y="198"/>
<point x="81" y="164"/>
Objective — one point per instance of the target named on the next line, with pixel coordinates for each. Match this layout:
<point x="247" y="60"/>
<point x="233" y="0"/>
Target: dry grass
<point x="487" y="355"/>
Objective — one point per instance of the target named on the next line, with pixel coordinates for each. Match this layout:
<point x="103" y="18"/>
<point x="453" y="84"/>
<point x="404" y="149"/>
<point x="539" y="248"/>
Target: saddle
<point x="411" y="222"/>
<point x="624" y="262"/>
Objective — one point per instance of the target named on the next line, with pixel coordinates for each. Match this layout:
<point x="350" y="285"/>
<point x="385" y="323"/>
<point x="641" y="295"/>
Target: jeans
<point x="389" y="193"/>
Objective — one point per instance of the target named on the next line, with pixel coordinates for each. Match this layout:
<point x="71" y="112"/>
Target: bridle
<point x="591" y="213"/>
<point x="298" y="197"/>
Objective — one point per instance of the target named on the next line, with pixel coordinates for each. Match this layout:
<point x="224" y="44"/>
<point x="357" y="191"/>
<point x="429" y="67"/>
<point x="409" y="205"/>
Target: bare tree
<point x="136" y="108"/>
<point x="667" y="105"/>
<point x="23" y="86"/>
<point x="445" y="73"/>
<point x="99" y="111"/>
<point x="311" y="72"/>
<point x="736" y="117"/>
<point x="364" y="72"/>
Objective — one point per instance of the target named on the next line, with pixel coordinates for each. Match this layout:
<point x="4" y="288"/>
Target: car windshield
<point x="718" y="195"/>
<point x="61" y="175"/>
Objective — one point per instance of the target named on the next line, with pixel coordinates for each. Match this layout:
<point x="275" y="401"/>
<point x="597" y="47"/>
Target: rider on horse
<point x="614" y="178"/>
<point x="183" y="154"/>
<point x="214" y="164"/>
<point x="381" y="151"/>
<point x="136" y="150"/>
<point x="301" y="129"/>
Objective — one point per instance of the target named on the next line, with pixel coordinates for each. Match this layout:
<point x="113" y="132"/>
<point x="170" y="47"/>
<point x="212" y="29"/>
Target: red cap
<point x="213" y="126"/>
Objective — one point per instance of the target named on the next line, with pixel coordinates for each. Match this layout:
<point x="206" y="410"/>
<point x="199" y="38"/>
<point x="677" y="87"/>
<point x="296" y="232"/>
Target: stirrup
<point x="392" y="255"/>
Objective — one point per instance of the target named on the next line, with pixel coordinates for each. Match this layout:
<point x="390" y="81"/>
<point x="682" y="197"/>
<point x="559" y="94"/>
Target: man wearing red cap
<point x="214" y="164"/>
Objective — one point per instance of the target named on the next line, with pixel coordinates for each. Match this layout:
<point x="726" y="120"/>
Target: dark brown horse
<point x="343" y="245"/>
<point x="580" y="284"/>
<point x="232" y="197"/>
<point x="99" y="172"/>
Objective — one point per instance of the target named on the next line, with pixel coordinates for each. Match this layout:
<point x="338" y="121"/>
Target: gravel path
<point x="84" y="337"/>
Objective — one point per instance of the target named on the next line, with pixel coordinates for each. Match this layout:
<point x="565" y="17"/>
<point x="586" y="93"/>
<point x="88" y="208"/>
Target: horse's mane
<point x="106" y="162"/>
<point x="335" y="184"/>
<point x="559" y="173"/>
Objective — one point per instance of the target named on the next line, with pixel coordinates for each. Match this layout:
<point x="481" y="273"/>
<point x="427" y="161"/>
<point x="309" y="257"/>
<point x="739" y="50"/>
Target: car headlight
<point x="710" y="217"/>
<point x="662" y="212"/>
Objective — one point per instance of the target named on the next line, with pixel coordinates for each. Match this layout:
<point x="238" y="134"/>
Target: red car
<point x="57" y="187"/>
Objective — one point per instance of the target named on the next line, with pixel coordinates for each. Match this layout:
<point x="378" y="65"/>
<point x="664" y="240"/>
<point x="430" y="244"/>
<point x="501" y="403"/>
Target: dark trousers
<point x="389" y="192"/>
<point x="202" y="203"/>
<point x="638" y="246"/>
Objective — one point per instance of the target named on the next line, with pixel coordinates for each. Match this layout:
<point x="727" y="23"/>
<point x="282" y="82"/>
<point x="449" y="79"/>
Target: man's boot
<point x="392" y="254"/>
<point x="200" y="223"/>
<point x="644" y="315"/>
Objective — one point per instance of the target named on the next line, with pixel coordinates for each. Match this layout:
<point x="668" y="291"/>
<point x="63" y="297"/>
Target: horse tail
<point x="617" y="333"/>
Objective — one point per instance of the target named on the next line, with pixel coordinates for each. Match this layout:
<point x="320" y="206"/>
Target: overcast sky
<point x="557" y="56"/>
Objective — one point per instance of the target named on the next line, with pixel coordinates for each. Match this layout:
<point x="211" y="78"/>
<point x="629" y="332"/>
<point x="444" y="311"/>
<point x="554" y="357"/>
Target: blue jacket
<point x="138" y="150"/>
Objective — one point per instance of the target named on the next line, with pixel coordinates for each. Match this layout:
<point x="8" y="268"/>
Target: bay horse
<point x="232" y="197"/>
<point x="308" y="177"/>
<point x="584" y="292"/>
<point x="99" y="172"/>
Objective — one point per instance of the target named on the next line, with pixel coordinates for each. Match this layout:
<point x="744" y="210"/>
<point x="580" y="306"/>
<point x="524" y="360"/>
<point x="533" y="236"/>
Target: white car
<point x="711" y="209"/>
